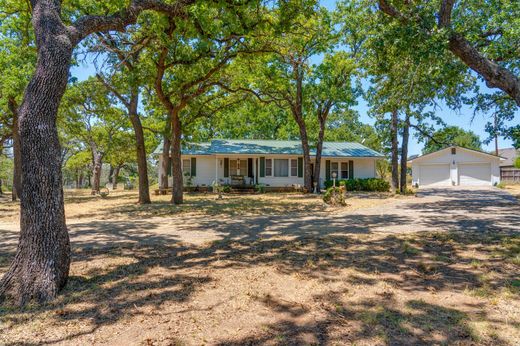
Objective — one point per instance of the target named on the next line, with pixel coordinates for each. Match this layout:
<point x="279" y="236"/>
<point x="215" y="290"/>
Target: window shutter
<point x="327" y="170"/>
<point x="250" y="167"/>
<point x="193" y="166"/>
<point x="262" y="167"/>
<point x="351" y="169"/>
<point x="300" y="167"/>
<point x="226" y="167"/>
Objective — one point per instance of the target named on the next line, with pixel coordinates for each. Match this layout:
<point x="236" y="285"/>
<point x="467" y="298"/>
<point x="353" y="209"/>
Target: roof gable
<point x="440" y="152"/>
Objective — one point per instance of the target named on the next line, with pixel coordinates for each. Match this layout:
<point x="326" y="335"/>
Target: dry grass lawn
<point x="513" y="189"/>
<point x="120" y="205"/>
<point x="297" y="287"/>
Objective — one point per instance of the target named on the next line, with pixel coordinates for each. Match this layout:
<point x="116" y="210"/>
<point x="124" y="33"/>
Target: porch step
<point x="242" y="190"/>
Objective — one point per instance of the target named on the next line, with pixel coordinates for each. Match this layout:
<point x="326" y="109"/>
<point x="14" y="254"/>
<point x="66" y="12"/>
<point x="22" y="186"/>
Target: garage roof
<point x="419" y="158"/>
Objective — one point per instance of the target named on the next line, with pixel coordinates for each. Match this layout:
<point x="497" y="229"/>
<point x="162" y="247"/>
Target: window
<point x="281" y="168"/>
<point x="344" y="170"/>
<point x="186" y="167"/>
<point x="242" y="166"/>
<point x="334" y="169"/>
<point x="453" y="151"/>
<point x="268" y="167"/>
<point x="294" y="167"/>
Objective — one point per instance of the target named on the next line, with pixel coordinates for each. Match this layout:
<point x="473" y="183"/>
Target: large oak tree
<point x="41" y="265"/>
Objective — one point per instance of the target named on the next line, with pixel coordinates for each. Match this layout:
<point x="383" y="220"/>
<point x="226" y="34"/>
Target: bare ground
<point x="440" y="268"/>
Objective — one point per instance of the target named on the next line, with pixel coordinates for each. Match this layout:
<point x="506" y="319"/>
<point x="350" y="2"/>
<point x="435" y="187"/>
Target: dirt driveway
<point x="441" y="268"/>
<point x="439" y="209"/>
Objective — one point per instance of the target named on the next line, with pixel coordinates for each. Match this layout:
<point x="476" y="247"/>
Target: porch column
<point x="254" y="170"/>
<point x="216" y="170"/>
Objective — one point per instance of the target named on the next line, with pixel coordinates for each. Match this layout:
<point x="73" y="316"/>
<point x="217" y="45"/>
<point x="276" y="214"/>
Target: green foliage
<point x="452" y="135"/>
<point x="514" y="134"/>
<point x="335" y="196"/>
<point x="366" y="184"/>
<point x="260" y="188"/>
<point x="383" y="169"/>
<point x="517" y="162"/>
<point x="6" y="170"/>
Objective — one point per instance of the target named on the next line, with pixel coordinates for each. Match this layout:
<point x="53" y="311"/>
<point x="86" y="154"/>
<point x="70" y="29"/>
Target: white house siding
<point x="208" y="166"/>
<point x="363" y="167"/>
<point x="205" y="170"/>
<point x="281" y="181"/>
<point x="454" y="162"/>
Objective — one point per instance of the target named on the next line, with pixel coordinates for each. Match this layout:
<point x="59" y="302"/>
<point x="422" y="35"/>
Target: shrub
<point x="501" y="185"/>
<point x="260" y="188"/>
<point x="368" y="184"/>
<point x="226" y="189"/>
<point x="335" y="196"/>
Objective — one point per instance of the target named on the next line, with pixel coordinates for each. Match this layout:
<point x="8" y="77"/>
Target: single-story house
<point x="456" y="166"/>
<point x="508" y="171"/>
<point x="269" y="162"/>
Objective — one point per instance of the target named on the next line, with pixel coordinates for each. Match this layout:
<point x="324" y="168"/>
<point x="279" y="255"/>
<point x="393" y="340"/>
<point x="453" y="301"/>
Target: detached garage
<point x="456" y="166"/>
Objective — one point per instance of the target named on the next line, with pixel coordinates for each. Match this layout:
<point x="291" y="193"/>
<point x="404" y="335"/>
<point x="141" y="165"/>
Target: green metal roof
<point x="273" y="147"/>
<point x="203" y="148"/>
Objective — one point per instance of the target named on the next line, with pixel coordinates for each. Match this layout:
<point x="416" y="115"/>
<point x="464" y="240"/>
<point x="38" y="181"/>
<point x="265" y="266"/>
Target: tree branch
<point x="118" y="21"/>
<point x="113" y="90"/>
<point x="445" y="13"/>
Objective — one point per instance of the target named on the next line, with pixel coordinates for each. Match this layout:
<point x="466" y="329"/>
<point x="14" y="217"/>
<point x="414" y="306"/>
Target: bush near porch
<point x="368" y="184"/>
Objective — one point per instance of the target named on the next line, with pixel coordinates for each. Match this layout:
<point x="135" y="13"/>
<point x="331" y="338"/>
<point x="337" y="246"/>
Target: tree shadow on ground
<point x="368" y="322"/>
<point x="126" y="268"/>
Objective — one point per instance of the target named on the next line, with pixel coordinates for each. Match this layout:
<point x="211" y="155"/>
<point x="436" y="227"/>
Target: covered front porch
<point x="237" y="170"/>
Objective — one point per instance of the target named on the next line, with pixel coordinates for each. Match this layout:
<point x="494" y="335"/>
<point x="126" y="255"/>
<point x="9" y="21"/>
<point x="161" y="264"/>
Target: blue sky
<point x="463" y="117"/>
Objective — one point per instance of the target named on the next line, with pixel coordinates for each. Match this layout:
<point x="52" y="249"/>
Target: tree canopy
<point x="452" y="135"/>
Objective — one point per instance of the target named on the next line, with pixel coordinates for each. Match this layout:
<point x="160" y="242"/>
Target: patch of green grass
<point x="409" y="250"/>
<point x="476" y="264"/>
<point x="443" y="258"/>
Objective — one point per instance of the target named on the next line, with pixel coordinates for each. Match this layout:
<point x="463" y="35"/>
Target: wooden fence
<point x="510" y="175"/>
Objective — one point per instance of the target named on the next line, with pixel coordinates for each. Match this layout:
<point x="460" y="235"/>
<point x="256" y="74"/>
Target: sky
<point x="463" y="117"/>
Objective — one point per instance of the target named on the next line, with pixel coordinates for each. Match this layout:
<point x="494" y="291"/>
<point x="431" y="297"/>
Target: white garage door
<point x="474" y="174"/>
<point x="435" y="175"/>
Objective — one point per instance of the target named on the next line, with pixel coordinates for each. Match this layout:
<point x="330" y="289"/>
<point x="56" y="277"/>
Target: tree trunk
<point x="322" y="118"/>
<point x="97" y="162"/>
<point x="178" y="181"/>
<point x="297" y="111"/>
<point x="17" y="169"/>
<point x="40" y="267"/>
<point x="80" y="180"/>
<point x="142" y="162"/>
<point x="496" y="134"/>
<point x="76" y="175"/>
<point x="166" y="161"/>
<point x="1" y="191"/>
<point x="111" y="174"/>
<point x="395" y="151"/>
<point x="404" y="153"/>
<point x="115" y="176"/>
<point x="307" y="175"/>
